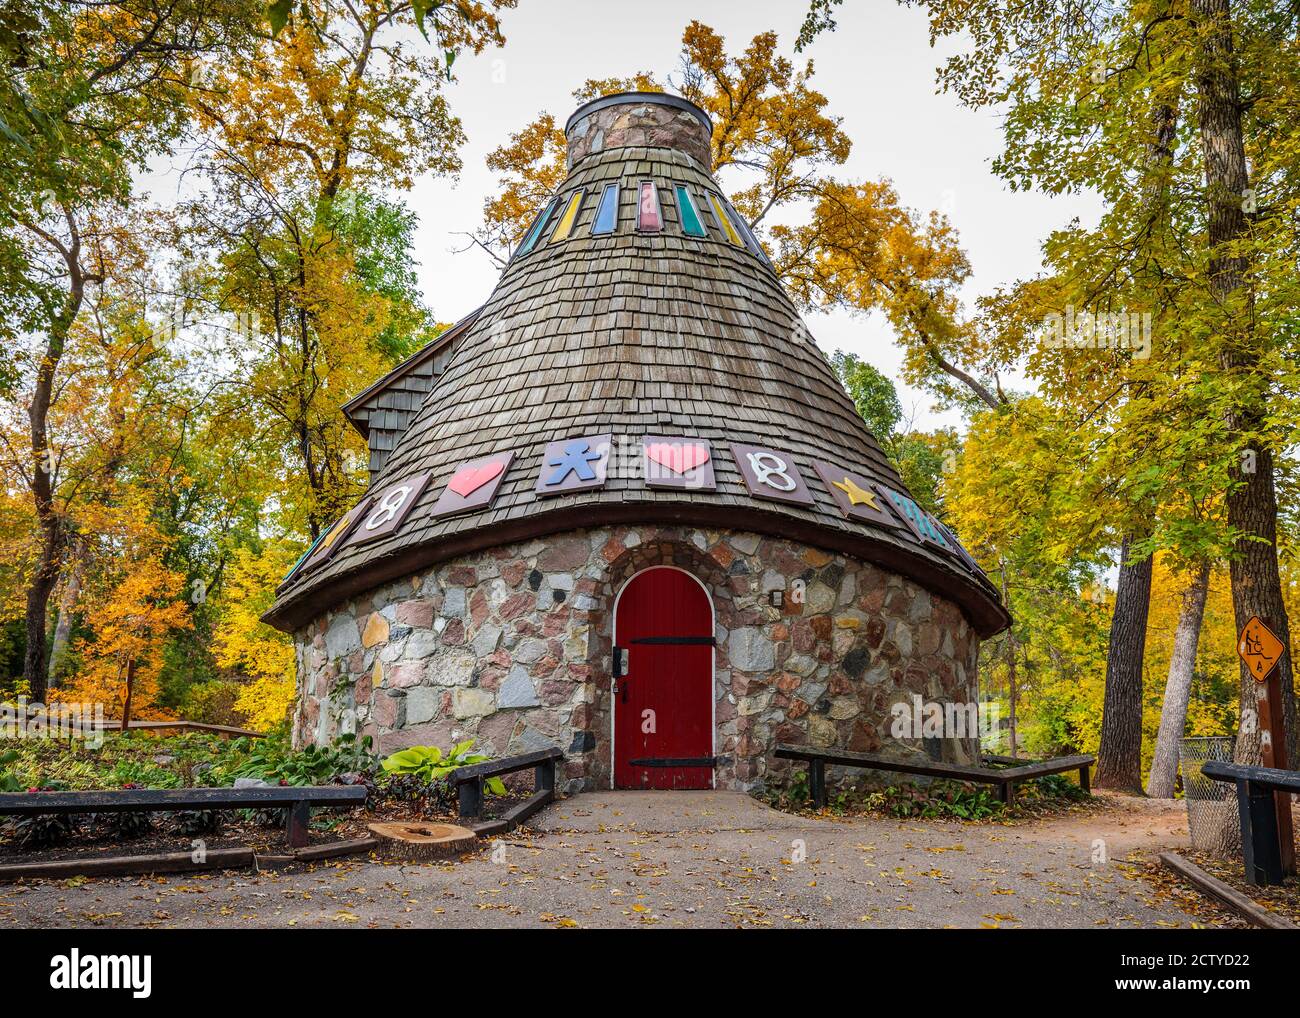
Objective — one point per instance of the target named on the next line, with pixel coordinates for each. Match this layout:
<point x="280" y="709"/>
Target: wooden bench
<point x="1005" y="778"/>
<point x="297" y="798"/>
<point x="1267" y="860"/>
<point x="469" y="782"/>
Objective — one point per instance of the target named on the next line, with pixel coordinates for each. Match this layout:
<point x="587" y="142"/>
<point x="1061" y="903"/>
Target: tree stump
<point x="418" y="840"/>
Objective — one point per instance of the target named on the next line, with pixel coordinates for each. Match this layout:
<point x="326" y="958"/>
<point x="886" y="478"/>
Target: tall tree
<point x="301" y="138"/>
<point x="88" y="91"/>
<point x="1221" y="283"/>
<point x="1251" y="497"/>
<point x="1178" y="685"/>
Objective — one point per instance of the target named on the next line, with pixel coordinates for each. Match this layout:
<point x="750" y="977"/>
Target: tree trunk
<point x="1011" y="669"/>
<point x="63" y="628"/>
<point x="1119" y="760"/>
<point x="1178" y="686"/>
<point x="39" y="590"/>
<point x="130" y="688"/>
<point x="1251" y="497"/>
<point x="49" y="560"/>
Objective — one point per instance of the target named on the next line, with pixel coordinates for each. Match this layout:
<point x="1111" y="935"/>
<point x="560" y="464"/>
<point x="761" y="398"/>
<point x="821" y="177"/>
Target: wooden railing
<point x="469" y="782"/>
<point x="1268" y="858"/>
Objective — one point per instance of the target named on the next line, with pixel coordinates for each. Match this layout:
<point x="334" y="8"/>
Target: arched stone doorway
<point x="663" y="732"/>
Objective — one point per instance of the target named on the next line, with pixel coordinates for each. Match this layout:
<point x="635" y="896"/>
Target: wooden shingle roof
<point x="633" y="334"/>
<point x="383" y="410"/>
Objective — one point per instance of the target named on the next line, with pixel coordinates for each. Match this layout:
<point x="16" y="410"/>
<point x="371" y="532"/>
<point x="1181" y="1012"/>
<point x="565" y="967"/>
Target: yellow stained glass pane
<point x="724" y="220"/>
<point x="565" y="224"/>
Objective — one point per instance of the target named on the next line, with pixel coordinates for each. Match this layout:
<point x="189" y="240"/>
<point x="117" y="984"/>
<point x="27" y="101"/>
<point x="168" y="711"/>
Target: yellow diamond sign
<point x="1259" y="648"/>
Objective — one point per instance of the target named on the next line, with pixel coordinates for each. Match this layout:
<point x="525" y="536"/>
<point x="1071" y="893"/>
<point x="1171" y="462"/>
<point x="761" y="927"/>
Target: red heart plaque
<point x="680" y="459"/>
<point x="469" y="479"/>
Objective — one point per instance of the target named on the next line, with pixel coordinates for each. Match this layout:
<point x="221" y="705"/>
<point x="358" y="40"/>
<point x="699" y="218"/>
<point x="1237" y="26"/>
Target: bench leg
<point x="1006" y="792"/>
<point x="469" y="795"/>
<point x="1084" y="781"/>
<point x="299" y="818"/>
<point x="544" y="776"/>
<point x="817" y="782"/>
<point x="1260" y="846"/>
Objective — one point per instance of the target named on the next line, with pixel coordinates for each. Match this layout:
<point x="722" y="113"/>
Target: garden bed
<point x="192" y="760"/>
<point x="942" y="800"/>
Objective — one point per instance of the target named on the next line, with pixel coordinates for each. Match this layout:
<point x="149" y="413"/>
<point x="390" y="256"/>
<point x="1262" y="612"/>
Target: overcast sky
<point x="877" y="71"/>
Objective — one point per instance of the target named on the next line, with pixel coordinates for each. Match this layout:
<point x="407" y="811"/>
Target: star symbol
<point x="857" y="496"/>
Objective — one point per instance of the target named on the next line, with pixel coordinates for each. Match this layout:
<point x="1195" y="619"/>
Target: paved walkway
<point x="705" y="859"/>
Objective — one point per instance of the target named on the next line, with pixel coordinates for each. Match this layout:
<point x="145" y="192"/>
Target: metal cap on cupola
<point x="637" y="363"/>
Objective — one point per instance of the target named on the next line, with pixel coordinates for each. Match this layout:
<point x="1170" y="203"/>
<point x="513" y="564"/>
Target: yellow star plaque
<point x="857" y="496"/>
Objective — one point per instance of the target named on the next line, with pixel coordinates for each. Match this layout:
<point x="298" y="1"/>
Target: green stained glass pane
<point x="537" y="229"/>
<point x="692" y="224"/>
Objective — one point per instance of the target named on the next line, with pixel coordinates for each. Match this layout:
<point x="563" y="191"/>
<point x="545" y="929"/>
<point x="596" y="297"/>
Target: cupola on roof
<point x="638" y="361"/>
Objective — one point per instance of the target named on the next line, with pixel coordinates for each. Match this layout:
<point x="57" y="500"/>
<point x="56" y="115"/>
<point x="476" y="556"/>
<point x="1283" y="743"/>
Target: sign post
<point x="1261" y="650"/>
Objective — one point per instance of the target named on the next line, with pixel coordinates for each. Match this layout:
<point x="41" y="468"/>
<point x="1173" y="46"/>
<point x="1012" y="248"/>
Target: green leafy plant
<point x="45" y="830"/>
<point x="192" y="822"/>
<point x="275" y="761"/>
<point x="958" y="800"/>
<point x="429" y="763"/>
<point x="8" y="782"/>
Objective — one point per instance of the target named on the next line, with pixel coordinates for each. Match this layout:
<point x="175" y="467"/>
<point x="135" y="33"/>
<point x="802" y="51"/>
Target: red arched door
<point x="663" y="703"/>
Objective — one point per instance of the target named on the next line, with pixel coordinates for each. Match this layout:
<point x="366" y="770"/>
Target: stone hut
<point x="625" y="508"/>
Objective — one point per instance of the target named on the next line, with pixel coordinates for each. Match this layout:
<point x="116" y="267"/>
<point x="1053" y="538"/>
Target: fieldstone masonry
<point x="642" y="125"/>
<point x="512" y="647"/>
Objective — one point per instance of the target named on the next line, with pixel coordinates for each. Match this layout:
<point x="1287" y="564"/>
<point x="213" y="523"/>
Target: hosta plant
<point x="429" y="763"/>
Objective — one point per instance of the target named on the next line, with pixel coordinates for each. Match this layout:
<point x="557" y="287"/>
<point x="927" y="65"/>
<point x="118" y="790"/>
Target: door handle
<point x="619" y="671"/>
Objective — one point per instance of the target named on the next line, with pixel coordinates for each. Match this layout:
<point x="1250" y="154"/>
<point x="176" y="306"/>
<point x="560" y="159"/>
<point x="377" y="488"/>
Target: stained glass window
<point x="692" y="224"/>
<point x="648" y="217"/>
<point x="724" y="221"/>
<point x="607" y="211"/>
<point x="565" y="225"/>
<point x="751" y="241"/>
<point x="536" y="229"/>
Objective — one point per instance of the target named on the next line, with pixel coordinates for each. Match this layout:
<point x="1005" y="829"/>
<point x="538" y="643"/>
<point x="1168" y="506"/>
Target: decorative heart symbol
<point x="469" y="479"/>
<point x="680" y="459"/>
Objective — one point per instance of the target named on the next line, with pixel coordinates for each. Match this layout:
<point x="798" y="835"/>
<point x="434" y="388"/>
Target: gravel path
<point x="700" y="859"/>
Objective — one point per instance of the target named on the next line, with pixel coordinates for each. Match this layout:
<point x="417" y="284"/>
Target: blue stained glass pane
<point x="537" y="229"/>
<point x="607" y="212"/>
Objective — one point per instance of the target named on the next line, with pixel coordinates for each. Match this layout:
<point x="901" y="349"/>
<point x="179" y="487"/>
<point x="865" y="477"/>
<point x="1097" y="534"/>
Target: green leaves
<point x="429" y="763"/>
<point x="277" y="13"/>
<point x="8" y="783"/>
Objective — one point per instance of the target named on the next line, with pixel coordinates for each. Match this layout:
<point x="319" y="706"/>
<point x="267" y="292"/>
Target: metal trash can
<point x="1212" y="819"/>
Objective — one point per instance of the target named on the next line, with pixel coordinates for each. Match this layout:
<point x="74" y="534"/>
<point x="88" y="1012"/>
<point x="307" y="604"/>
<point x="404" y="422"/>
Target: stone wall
<point x="512" y="647"/>
<point x="640" y="124"/>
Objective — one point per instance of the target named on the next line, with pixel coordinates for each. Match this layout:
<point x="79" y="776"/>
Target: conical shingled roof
<point x="631" y="334"/>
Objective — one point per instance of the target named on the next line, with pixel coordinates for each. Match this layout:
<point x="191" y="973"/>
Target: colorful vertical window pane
<point x="607" y="211"/>
<point x="724" y="221"/>
<point x="692" y="224"/>
<point x="536" y="229"/>
<point x="565" y="225"/>
<point x="648" y="217"/>
<point x="751" y="241"/>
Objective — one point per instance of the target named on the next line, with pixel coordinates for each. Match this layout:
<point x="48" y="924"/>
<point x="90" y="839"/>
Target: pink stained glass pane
<point x="648" y="217"/>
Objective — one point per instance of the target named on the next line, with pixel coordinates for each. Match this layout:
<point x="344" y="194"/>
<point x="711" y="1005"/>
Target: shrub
<point x="213" y="703"/>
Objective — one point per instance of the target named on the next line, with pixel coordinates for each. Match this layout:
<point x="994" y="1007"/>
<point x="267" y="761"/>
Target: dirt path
<point x="708" y="859"/>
